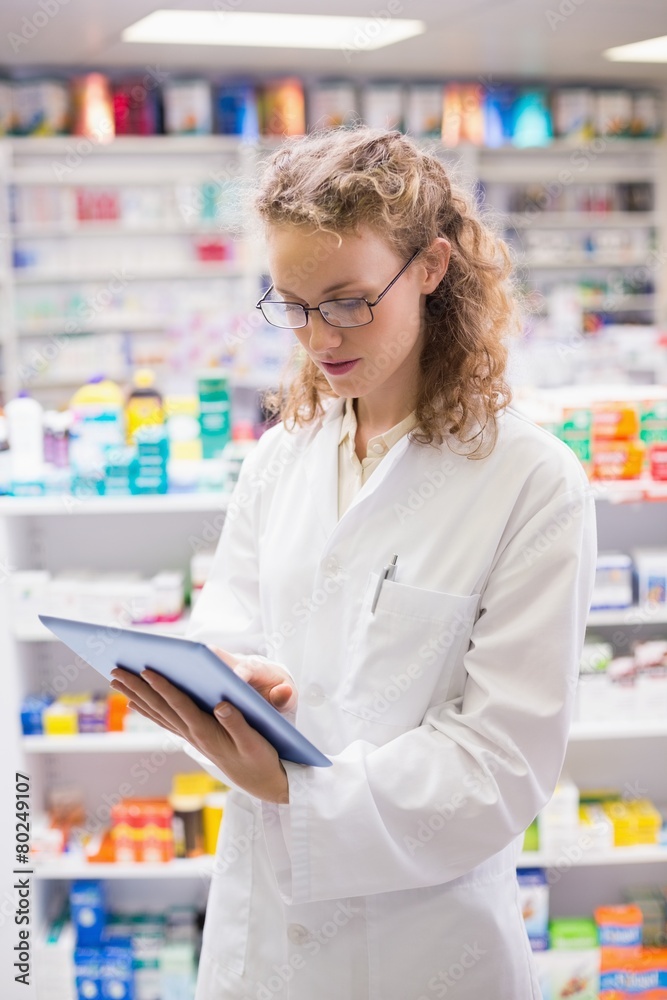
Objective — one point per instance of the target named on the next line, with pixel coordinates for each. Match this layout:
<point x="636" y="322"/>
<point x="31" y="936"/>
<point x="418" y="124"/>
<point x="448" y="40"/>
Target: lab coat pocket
<point x="231" y="888"/>
<point x="405" y="652"/>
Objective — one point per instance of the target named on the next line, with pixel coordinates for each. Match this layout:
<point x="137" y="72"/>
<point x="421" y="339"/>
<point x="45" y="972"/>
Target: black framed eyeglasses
<point x="336" y="312"/>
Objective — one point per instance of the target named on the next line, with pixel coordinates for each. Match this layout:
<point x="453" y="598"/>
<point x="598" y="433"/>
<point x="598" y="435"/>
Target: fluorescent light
<point x="290" y="31"/>
<point x="652" y="50"/>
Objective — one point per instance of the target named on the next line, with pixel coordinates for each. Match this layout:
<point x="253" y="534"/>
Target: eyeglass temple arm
<point x="393" y="282"/>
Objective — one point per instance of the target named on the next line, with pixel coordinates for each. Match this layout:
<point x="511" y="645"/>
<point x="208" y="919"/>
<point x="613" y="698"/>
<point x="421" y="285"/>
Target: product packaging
<point x="573" y="111"/>
<point x="332" y="104"/>
<point x="423" y="115"/>
<point x="41" y="107"/>
<point x="558" y="821"/>
<point x="532" y="119"/>
<point x="282" y="108"/>
<point x="214" y="412"/>
<point x="89" y="912"/>
<point x="236" y="110"/>
<point x="620" y="926"/>
<point x="534" y="900"/>
<point x="613" y="581"/>
<point x="383" y="105"/>
<point x="613" y="112"/>
<point x="499" y="115"/>
<point x="144" y="405"/>
<point x="93" y="107"/>
<point x="651" y="572"/>
<point x="187" y="107"/>
<point x="136" y="106"/>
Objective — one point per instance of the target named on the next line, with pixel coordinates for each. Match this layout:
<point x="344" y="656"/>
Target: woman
<point x="442" y="687"/>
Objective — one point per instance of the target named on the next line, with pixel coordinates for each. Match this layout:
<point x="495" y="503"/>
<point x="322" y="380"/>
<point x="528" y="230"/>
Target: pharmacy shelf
<point x="177" y="628"/>
<point x="178" y="272"/>
<point x="68" y="868"/>
<point x="635" y="615"/>
<point x="158" y="503"/>
<point x="580" y="220"/>
<point x="636" y="855"/>
<point x="622" y="491"/>
<point x="203" y="867"/>
<point x="620" y="303"/>
<point x="120" y="321"/>
<point x="612" y="729"/>
<point x="161" y="740"/>
<point x="139" y="742"/>
<point x="119" y="228"/>
<point x="127" y="145"/>
<point x="582" y="261"/>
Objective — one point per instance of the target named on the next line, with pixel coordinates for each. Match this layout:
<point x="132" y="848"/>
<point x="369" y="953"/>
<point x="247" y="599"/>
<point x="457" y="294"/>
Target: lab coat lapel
<point x="321" y="468"/>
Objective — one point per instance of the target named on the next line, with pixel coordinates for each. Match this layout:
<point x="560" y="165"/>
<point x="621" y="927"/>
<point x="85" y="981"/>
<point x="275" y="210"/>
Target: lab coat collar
<point x="321" y="468"/>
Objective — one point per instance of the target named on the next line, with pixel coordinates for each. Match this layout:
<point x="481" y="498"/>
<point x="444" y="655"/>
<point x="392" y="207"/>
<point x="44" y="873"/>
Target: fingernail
<point x="146" y="676"/>
<point x="223" y="711"/>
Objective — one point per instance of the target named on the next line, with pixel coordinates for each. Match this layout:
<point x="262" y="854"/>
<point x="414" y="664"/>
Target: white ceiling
<point x="465" y="39"/>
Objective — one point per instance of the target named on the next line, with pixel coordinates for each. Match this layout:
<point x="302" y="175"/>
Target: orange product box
<point x="617" y="459"/>
<point x="620" y="926"/>
<point x="615" y="421"/>
<point x="641" y="975"/>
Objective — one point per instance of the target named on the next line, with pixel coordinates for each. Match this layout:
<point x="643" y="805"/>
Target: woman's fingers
<point x="144" y="694"/>
<point x="149" y="715"/>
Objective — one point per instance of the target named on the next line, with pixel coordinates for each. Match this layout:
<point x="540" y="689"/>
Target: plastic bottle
<point x="144" y="405"/>
<point x="97" y="425"/>
<point x="26" y="437"/>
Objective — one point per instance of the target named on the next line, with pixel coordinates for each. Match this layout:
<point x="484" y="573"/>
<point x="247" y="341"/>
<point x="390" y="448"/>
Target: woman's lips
<point x="339" y="368"/>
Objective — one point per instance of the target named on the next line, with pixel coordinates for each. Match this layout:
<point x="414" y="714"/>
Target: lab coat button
<point x="298" y="934"/>
<point x="378" y="448"/>
<point x="314" y="695"/>
<point x="331" y="566"/>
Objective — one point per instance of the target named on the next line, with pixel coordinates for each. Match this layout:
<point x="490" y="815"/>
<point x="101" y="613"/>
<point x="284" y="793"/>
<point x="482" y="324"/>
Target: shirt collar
<point x="349" y="427"/>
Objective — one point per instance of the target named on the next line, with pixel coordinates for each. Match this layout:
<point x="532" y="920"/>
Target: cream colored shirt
<point x="352" y="473"/>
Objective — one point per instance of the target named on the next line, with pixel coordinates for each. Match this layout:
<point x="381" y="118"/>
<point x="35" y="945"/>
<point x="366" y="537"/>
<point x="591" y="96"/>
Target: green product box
<point x="653" y="421"/>
<point x="214" y="412"/>
<point x="573" y="933"/>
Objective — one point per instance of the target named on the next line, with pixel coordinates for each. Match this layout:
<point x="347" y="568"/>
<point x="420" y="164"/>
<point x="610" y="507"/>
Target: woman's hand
<point x="226" y="739"/>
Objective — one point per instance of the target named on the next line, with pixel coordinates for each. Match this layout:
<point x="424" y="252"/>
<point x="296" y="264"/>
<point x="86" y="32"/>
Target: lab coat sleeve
<point x="228" y="613"/>
<point x="435" y="802"/>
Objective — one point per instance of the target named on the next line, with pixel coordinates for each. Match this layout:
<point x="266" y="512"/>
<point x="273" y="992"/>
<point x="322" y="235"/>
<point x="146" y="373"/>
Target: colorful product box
<point x="88" y="910"/>
<point x="620" y="926"/>
<point x="534" y="899"/>
<point x="628" y="975"/>
<point x="88" y="973"/>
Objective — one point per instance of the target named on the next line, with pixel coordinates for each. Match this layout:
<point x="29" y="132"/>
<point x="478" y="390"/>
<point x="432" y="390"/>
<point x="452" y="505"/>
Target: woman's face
<point x="309" y="267"/>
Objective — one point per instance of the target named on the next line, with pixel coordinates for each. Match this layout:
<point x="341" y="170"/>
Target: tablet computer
<point x="190" y="666"/>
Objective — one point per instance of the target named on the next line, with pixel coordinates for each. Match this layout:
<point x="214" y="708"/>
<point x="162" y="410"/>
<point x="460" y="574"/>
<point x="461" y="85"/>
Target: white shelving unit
<point x="64" y="277"/>
<point x="39" y="533"/>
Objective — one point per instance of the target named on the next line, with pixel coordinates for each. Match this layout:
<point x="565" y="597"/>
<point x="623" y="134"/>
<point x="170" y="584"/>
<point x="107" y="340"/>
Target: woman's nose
<point x="322" y="335"/>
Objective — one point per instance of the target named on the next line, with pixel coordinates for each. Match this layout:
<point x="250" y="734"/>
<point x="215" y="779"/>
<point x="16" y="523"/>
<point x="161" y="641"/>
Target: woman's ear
<point x="441" y="248"/>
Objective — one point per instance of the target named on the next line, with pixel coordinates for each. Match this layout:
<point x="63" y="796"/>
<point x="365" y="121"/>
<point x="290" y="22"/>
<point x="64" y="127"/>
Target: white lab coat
<point x="391" y="874"/>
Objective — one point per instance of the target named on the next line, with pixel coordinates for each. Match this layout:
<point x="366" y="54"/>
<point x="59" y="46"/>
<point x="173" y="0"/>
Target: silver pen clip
<point x="387" y="573"/>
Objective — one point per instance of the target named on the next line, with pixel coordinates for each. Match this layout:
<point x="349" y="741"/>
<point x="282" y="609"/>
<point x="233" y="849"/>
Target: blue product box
<point x="88" y="909"/>
<point x="87" y="972"/>
<point x="31" y="714"/>
<point x="117" y="969"/>
<point x="236" y="110"/>
<point x="534" y="901"/>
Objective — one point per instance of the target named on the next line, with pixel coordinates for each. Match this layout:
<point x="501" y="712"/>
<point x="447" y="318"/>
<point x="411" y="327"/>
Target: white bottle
<point x="26" y="437"/>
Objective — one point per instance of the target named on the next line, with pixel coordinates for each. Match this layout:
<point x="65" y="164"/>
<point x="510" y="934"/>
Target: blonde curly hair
<point x="337" y="180"/>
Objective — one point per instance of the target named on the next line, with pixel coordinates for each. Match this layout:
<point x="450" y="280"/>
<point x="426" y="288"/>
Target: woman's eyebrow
<point x="326" y="291"/>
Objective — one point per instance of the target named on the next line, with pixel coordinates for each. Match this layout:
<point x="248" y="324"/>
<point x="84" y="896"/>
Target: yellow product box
<point x="625" y="822"/>
<point x="648" y="819"/>
<point x="60" y="719"/>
